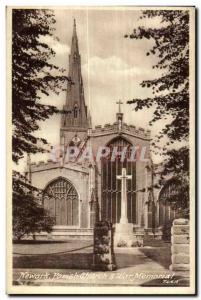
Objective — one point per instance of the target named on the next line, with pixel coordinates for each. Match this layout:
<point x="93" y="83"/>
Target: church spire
<point x="75" y="115"/>
<point x="74" y="26"/>
<point x="74" y="44"/>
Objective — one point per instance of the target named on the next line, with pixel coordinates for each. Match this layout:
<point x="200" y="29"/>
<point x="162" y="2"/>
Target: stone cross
<point x="123" y="177"/>
<point x="119" y="102"/>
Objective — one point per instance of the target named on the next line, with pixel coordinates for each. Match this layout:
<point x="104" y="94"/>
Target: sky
<point x="112" y="66"/>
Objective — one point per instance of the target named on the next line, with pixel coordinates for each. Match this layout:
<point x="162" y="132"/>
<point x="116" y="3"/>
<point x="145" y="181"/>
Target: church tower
<point x="74" y="122"/>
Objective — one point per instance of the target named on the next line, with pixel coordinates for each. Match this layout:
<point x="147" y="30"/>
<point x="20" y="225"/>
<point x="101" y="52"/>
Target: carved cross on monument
<point x="123" y="177"/>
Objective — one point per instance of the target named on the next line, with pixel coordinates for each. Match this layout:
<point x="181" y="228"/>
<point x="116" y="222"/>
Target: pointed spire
<point x="74" y="27"/>
<point x="74" y="45"/>
<point x="75" y="101"/>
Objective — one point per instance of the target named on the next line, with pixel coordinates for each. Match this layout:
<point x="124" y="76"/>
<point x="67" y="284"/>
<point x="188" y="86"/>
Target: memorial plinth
<point x="124" y="236"/>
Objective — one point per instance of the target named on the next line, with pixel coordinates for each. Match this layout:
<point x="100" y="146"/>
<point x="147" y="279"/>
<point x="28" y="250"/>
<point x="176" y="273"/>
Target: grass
<point x="76" y="254"/>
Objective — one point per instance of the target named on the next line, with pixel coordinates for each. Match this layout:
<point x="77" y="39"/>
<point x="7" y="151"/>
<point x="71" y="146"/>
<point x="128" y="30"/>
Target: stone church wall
<point x="79" y="178"/>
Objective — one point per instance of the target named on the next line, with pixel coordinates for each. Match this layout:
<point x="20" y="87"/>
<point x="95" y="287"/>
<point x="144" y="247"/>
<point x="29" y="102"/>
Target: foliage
<point x="137" y="244"/>
<point x="181" y="202"/>
<point x="166" y="231"/>
<point x="170" y="90"/>
<point x="33" y="75"/>
<point x="122" y="243"/>
<point x="29" y="216"/>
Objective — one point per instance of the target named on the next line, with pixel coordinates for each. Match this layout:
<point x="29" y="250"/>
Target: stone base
<point x="180" y="255"/>
<point x="155" y="234"/>
<point x="124" y="235"/>
<point x="179" y="267"/>
<point x="64" y="233"/>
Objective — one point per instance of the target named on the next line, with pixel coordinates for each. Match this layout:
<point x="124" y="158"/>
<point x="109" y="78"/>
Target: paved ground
<point x="67" y="263"/>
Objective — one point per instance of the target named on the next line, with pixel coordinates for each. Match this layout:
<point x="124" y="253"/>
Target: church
<point x="78" y="192"/>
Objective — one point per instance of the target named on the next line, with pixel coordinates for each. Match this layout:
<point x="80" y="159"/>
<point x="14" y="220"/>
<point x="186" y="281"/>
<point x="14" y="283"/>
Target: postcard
<point x="100" y="150"/>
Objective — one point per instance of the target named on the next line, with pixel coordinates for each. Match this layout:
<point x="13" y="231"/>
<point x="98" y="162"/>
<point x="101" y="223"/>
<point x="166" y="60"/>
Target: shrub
<point x="137" y="244"/>
<point x="122" y="244"/>
<point x="166" y="230"/>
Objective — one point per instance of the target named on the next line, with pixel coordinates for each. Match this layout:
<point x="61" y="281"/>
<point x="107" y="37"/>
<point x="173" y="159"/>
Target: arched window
<point x="111" y="187"/>
<point x="61" y="200"/>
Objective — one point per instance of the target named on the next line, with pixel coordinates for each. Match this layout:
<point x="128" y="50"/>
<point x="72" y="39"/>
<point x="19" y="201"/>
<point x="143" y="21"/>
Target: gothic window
<point x="61" y="200"/>
<point x="111" y="187"/>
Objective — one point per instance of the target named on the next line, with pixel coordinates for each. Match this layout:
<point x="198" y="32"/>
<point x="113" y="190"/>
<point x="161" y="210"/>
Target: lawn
<point x="79" y="254"/>
<point x="52" y="254"/>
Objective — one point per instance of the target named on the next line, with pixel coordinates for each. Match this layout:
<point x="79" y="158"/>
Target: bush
<point x="29" y="216"/>
<point x="137" y="244"/>
<point x="166" y="230"/>
<point x="122" y="244"/>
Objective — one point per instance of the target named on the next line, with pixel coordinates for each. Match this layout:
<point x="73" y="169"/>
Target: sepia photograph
<point x="101" y="150"/>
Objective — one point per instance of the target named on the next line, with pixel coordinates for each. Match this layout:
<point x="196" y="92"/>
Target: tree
<point x="32" y="76"/>
<point x="29" y="216"/>
<point x="171" y="89"/>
